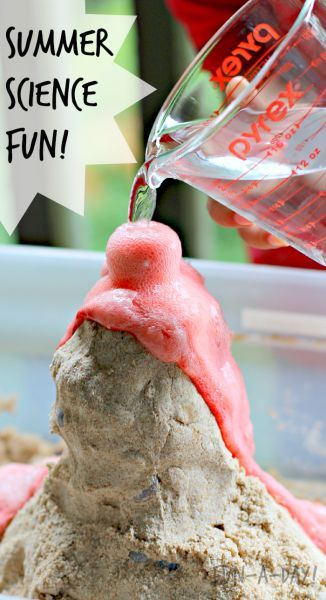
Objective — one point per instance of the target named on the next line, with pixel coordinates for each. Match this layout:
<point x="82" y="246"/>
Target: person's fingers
<point x="236" y="86"/>
<point x="250" y="233"/>
<point x="259" y="238"/>
<point x="224" y="216"/>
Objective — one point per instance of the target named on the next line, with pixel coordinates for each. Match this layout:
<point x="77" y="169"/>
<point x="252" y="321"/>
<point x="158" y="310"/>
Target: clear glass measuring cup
<point x="246" y="123"/>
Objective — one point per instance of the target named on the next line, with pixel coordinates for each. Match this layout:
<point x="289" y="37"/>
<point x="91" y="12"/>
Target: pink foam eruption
<point x="147" y="290"/>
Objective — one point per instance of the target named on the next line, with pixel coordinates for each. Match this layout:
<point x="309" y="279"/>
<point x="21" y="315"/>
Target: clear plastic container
<point x="277" y="315"/>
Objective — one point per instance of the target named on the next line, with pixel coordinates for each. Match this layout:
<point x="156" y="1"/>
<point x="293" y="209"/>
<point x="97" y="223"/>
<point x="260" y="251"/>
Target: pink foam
<point x="150" y="292"/>
<point x="18" y="483"/>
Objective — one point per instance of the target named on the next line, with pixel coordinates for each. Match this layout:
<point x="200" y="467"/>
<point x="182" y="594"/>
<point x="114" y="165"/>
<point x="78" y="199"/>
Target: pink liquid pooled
<point x="150" y="292"/>
<point x="18" y="483"/>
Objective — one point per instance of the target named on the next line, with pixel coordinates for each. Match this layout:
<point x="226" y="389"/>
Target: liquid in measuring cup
<point x="280" y="186"/>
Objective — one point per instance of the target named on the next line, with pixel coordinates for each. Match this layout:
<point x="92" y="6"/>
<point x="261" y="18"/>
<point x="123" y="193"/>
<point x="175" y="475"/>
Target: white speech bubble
<point x="94" y="136"/>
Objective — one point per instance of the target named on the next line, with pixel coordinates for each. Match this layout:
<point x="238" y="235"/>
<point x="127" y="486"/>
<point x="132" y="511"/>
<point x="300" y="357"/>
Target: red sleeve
<point x="283" y="257"/>
<point x="202" y="18"/>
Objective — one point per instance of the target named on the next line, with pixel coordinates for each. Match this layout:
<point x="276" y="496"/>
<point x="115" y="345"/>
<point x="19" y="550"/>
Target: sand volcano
<point x="157" y="496"/>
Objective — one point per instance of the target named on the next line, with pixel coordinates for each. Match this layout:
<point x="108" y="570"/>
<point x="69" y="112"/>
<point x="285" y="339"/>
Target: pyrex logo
<point x="275" y="111"/>
<point x="232" y="64"/>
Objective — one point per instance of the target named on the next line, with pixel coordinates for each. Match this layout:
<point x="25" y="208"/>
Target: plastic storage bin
<point x="278" y="317"/>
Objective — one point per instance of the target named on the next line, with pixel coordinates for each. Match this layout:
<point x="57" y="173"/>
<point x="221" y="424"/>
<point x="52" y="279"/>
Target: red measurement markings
<point x="314" y="63"/>
<point x="226" y="187"/>
<point x="297" y="124"/>
<point x="313" y="104"/>
<point x="305" y="35"/>
<point x="317" y="242"/>
<point x="280" y="203"/>
<point x="276" y="187"/>
<point x="303" y="208"/>
<point x="318" y="220"/>
<point x="308" y="227"/>
<point x="254" y="183"/>
<point x="311" y="137"/>
<point x="315" y="211"/>
<point x="303" y="72"/>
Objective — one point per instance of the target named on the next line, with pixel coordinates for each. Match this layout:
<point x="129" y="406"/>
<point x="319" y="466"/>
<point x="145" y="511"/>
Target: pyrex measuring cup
<point x="246" y="123"/>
